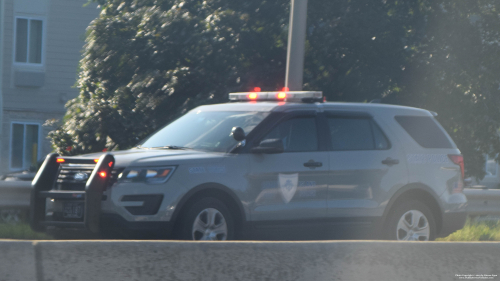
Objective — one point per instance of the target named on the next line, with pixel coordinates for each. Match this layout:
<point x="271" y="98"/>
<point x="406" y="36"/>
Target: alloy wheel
<point x="413" y="226"/>
<point x="209" y="224"/>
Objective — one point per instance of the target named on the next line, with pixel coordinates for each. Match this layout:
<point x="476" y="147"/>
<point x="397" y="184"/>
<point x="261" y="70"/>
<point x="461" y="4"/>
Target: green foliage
<point x="21" y="231"/>
<point x="148" y="61"/>
<point x="476" y="231"/>
<point x="455" y="73"/>
<point x="439" y="55"/>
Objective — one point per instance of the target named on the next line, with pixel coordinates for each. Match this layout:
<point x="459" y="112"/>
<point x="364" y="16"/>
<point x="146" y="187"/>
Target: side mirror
<point x="269" y="146"/>
<point x="237" y="133"/>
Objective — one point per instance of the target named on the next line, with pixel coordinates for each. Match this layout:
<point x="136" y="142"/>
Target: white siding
<point x="65" y="24"/>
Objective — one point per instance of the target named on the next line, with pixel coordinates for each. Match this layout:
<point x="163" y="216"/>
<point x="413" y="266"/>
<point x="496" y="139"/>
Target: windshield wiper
<point x="172" y="147"/>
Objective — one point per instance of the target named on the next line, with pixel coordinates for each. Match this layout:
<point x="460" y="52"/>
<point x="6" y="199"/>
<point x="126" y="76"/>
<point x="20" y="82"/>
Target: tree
<point x="439" y="55"/>
<point x="148" y="61"/>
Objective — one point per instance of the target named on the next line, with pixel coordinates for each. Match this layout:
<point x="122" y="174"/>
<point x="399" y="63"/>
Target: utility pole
<point x="2" y="39"/>
<point x="296" y="45"/>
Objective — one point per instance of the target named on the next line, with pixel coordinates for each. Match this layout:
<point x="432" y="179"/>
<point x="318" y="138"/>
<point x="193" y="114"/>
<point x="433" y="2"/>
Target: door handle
<point x="389" y="161"/>
<point x="312" y="164"/>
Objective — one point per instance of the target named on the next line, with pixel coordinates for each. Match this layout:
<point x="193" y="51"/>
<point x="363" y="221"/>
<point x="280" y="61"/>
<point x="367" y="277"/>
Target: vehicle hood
<point x="146" y="157"/>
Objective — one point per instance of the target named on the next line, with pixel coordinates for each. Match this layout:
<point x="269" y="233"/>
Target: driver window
<point x="297" y="134"/>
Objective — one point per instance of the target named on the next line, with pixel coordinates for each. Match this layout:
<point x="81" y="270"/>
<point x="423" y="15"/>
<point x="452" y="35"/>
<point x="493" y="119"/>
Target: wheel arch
<point x="422" y="193"/>
<point x="215" y="190"/>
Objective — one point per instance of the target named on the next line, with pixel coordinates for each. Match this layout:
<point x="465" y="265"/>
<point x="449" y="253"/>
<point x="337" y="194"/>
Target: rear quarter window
<point x="425" y="131"/>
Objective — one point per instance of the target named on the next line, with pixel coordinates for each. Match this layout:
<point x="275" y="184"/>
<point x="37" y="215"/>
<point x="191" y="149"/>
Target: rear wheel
<point x="207" y="219"/>
<point x="411" y="221"/>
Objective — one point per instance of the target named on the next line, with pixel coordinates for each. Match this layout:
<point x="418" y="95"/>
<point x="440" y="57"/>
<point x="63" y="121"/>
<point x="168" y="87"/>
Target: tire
<point x="207" y="219"/>
<point x="411" y="221"/>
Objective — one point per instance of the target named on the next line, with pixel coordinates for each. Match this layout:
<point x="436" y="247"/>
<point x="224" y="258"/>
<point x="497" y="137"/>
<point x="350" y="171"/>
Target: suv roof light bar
<point x="290" y="96"/>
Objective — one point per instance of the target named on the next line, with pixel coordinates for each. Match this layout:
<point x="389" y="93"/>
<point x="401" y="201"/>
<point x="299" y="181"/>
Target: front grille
<point x="66" y="179"/>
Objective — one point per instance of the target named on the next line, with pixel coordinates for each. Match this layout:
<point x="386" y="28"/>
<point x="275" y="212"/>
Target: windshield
<point x="205" y="130"/>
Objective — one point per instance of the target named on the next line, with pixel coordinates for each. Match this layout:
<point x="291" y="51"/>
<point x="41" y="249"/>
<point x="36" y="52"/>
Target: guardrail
<point x="174" y="260"/>
<point x="482" y="202"/>
<point x="14" y="200"/>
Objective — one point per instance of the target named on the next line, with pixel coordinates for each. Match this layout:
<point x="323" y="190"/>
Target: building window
<point x="491" y="166"/>
<point x="29" y="33"/>
<point x="24" y="145"/>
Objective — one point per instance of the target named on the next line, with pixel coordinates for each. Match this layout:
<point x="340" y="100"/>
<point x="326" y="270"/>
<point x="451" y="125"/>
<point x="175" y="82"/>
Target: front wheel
<point x="411" y="221"/>
<point x="207" y="219"/>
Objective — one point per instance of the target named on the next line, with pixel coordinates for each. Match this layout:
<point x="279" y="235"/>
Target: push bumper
<point x="89" y="200"/>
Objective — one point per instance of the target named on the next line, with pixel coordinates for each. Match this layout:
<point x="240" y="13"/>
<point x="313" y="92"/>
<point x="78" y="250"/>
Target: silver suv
<point x="266" y="166"/>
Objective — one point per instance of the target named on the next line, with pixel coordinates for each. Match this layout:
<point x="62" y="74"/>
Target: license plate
<point x="73" y="210"/>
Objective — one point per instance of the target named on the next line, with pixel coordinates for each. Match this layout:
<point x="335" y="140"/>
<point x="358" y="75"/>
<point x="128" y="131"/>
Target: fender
<point x="416" y="187"/>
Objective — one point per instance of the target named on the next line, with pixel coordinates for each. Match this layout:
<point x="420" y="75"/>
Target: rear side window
<point x="425" y="131"/>
<point x="356" y="134"/>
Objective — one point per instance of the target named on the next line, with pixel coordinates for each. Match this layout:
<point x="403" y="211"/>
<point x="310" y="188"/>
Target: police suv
<point x="267" y="165"/>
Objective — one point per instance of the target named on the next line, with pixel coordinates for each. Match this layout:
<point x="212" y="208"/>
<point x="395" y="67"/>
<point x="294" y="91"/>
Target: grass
<point x="487" y="230"/>
<point x="20" y="231"/>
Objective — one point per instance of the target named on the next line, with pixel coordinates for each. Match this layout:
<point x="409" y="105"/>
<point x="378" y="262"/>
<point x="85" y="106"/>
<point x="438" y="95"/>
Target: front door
<point x="290" y="187"/>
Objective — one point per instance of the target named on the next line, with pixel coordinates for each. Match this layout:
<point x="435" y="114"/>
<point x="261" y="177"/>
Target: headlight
<point x="146" y="174"/>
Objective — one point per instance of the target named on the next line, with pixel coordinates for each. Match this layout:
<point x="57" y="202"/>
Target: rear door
<point x="365" y="165"/>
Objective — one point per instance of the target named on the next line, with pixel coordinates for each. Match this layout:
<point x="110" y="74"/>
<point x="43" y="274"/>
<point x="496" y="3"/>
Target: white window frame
<point x="11" y="141"/>
<point x="486" y="167"/>
<point x="27" y="63"/>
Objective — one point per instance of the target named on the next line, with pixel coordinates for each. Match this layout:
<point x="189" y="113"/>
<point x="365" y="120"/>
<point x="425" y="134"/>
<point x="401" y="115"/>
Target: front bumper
<point x="115" y="226"/>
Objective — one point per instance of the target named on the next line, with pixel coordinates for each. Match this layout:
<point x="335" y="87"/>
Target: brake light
<point x="281" y="95"/>
<point x="102" y="174"/>
<point x="96" y="160"/>
<point x="458" y="160"/>
<point x="285" y="89"/>
<point x="60" y="160"/>
<point x="256" y="89"/>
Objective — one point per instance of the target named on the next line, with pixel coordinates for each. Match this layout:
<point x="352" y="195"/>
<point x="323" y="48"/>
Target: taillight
<point x="458" y="160"/>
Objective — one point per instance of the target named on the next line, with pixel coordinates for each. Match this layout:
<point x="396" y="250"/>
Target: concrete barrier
<point x="171" y="260"/>
<point x="15" y="194"/>
<point x="17" y="261"/>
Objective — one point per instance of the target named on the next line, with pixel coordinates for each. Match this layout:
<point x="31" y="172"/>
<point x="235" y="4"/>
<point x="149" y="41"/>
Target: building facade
<point x="41" y="44"/>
